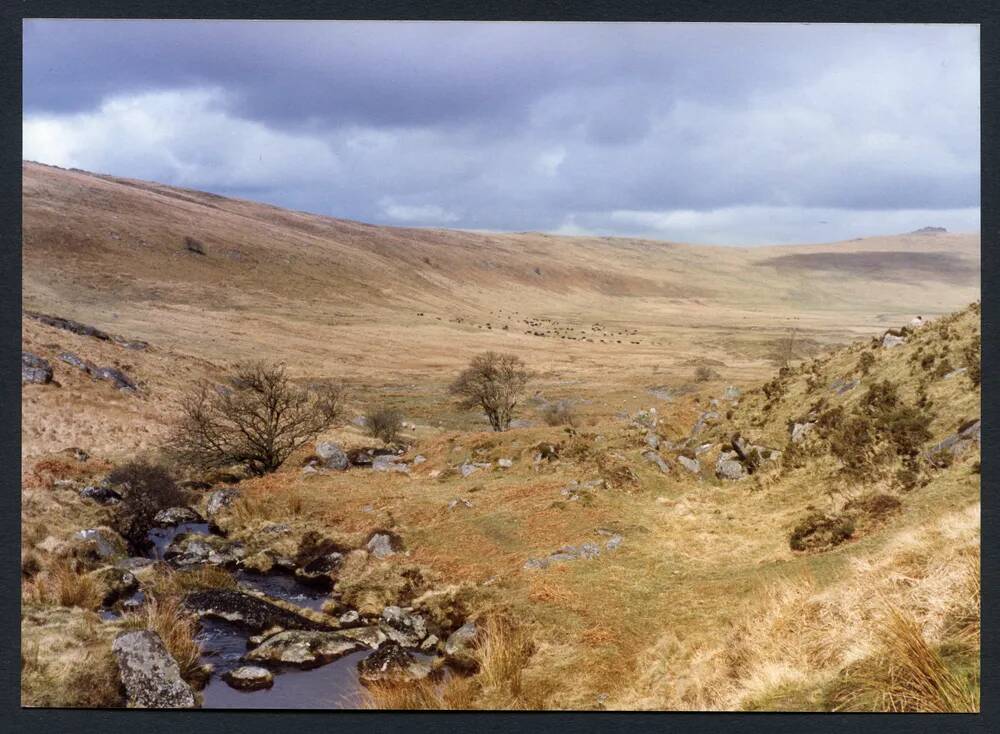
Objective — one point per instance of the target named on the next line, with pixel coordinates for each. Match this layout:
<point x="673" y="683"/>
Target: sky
<point x="737" y="134"/>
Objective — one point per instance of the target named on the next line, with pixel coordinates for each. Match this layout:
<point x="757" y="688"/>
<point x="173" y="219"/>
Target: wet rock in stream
<point x="303" y="648"/>
<point x="249" y="611"/>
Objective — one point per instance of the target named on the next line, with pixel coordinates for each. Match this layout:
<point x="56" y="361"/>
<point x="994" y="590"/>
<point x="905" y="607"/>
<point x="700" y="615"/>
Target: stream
<point x="334" y="685"/>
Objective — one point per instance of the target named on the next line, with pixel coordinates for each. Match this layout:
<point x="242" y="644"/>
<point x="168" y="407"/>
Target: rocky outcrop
<point x="150" y="676"/>
<point x="968" y="433"/>
<point x="566" y="553"/>
<point x="729" y="467"/>
<point x="383" y="544"/>
<point x="692" y="465"/>
<point x="302" y="648"/>
<point x="83" y="330"/>
<point x="102" y="542"/>
<point x="102" y="494"/>
<point x="402" y="626"/>
<point x="219" y="500"/>
<point x="110" y="374"/>
<point x="249" y="611"/>
<point x="35" y="370"/>
<point x="332" y="456"/>
<point x="654" y="458"/>
<point x="173" y="516"/>
<point x="391" y="664"/>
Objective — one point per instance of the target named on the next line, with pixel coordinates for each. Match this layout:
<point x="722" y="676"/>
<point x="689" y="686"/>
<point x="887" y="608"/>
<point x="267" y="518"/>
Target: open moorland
<point x="739" y="478"/>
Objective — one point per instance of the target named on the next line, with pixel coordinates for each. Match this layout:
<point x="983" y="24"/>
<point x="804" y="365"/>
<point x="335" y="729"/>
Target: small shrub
<point x="972" y="360"/>
<point x="874" y="505"/>
<point x="705" y="374"/>
<point x="943" y="368"/>
<point x="820" y="532"/>
<point x="865" y="362"/>
<point x="193" y="245"/>
<point x="560" y="413"/>
<point x="145" y="489"/>
<point x="384" y="422"/>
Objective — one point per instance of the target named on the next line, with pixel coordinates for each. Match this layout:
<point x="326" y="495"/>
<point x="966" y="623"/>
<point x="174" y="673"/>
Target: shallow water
<point x="161" y="538"/>
<point x="283" y="586"/>
<point x="331" y="686"/>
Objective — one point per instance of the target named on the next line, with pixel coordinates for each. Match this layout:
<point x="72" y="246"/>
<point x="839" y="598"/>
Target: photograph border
<point x="48" y="721"/>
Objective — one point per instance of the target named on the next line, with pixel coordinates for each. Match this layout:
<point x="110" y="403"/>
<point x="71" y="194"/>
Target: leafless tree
<point x="258" y="418"/>
<point x="495" y="383"/>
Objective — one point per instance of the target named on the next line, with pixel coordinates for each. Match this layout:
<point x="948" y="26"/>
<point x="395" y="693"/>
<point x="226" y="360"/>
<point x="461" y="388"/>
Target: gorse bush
<point x="880" y="426"/>
<point x="972" y="360"/>
<point x="145" y="489"/>
<point x="257" y="419"/>
<point x="865" y="362"/>
<point x="384" y="423"/>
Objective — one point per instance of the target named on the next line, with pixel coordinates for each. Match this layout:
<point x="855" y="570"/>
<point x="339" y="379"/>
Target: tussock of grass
<point x="62" y="585"/>
<point x="908" y="675"/>
<point x="176" y="627"/>
<point x="168" y="582"/>
<point x="501" y="656"/>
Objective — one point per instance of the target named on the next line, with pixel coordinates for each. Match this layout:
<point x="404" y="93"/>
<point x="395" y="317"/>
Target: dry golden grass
<point x="704" y="595"/>
<point x="60" y="584"/>
<point x="907" y="675"/>
<point x="167" y="582"/>
<point x="66" y="659"/>
<point x="501" y="654"/>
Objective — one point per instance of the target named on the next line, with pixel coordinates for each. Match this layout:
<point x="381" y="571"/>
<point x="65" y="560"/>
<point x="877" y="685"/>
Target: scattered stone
<point x="460" y="647"/>
<point x="429" y="644"/>
<point x="76" y="361"/>
<point x="150" y="676"/>
<point x="332" y="456"/>
<point x="613" y="542"/>
<point x="115" y="582"/>
<point x="220" y="499"/>
<point x="692" y="465"/>
<point x="310" y="469"/>
<point x="176" y="516"/>
<point x="116" y="377"/>
<point x="655" y="458"/>
<point x="956" y="444"/>
<point x="459" y="502"/>
<point x="841" y="386"/>
<point x="249" y="678"/>
<point x="350" y="617"/>
<point x="383" y="544"/>
<point x="391" y="664"/>
<point x="468" y="469"/>
<point x="801" y="430"/>
<point x="389" y="463"/>
<point x="732" y="393"/>
<point x="106" y="543"/>
<point x="322" y="569"/>
<point x="101" y="494"/>
<point x="302" y="648"/>
<point x="729" y="468"/>
<point x="505" y="463"/>
<point x="890" y="340"/>
<point x="369" y="636"/>
<point x="419" y="459"/>
<point x="955" y="373"/>
<point x="402" y="627"/>
<point x="35" y="370"/>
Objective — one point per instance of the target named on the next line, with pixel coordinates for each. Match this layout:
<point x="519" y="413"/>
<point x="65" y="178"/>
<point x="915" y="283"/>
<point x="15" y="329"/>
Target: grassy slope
<point x="704" y="592"/>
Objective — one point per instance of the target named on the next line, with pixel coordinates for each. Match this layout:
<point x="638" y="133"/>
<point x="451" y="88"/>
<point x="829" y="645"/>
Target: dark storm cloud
<point x="572" y="127"/>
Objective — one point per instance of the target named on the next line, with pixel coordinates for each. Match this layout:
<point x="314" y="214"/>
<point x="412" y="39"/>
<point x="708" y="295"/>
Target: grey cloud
<point x="518" y="126"/>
